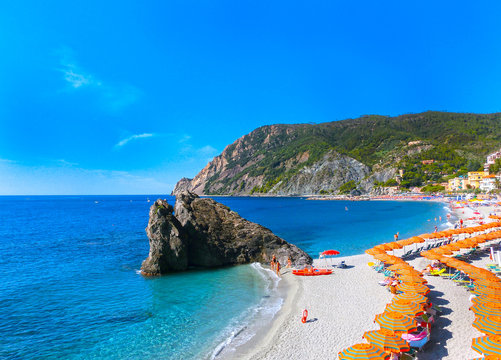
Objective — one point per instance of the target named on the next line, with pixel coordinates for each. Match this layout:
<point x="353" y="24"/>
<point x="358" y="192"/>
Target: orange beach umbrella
<point x="490" y="325"/>
<point x="413" y="279"/>
<point x="412" y="287"/>
<point x="487" y="309"/>
<point x="408" y="272"/>
<point x="400" y="266"/>
<point x="387" y="340"/>
<point x="484" y="299"/>
<point x="414" y="297"/>
<point x="490" y="357"/>
<point x="405" y="307"/>
<point x="364" y="352"/>
<point x="396" y="322"/>
<point x="487" y="345"/>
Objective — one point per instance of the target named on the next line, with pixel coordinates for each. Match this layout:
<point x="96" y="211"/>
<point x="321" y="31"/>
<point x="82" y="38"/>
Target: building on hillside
<point x="488" y="183"/>
<point x="427" y="162"/>
<point x="475" y="177"/>
<point x="457" y="184"/>
<point x="491" y="159"/>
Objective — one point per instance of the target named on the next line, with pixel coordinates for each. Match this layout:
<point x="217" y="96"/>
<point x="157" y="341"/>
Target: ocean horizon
<point x="71" y="286"/>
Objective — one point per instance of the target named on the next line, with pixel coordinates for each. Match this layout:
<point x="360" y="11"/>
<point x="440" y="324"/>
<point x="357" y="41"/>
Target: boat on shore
<point x="311" y="272"/>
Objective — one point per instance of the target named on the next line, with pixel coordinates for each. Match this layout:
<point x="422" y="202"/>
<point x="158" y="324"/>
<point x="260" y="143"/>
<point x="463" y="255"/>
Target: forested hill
<point x="360" y="154"/>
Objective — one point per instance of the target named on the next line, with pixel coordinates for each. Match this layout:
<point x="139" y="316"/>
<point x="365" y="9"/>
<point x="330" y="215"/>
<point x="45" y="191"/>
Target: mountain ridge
<point x="361" y="153"/>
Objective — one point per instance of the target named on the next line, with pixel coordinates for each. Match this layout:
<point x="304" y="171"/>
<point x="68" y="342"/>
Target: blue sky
<point x="127" y="97"/>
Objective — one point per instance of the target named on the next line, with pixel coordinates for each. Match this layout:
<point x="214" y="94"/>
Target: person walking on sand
<point x="289" y="262"/>
<point x="277" y="264"/>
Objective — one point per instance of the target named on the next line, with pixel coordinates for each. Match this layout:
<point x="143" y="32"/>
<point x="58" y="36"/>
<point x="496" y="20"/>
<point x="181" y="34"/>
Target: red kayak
<point x="311" y="272"/>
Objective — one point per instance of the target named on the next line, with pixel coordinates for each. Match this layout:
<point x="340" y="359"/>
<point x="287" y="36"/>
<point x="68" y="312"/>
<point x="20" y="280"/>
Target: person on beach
<point x="273" y="262"/>
<point x="277" y="264"/>
<point x="289" y="262"/>
<point x="461" y="223"/>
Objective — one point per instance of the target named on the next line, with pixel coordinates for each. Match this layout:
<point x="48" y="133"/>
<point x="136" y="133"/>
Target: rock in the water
<point x="168" y="250"/>
<point x="205" y="233"/>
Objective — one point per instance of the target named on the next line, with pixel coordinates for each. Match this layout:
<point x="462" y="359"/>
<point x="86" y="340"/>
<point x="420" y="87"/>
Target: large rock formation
<point x="204" y="233"/>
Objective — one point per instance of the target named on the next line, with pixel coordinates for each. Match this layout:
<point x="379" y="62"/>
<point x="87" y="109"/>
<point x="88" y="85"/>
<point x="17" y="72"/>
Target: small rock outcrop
<point x="204" y="233"/>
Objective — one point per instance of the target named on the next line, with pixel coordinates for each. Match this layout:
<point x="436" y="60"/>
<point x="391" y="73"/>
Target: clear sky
<point x="127" y="97"/>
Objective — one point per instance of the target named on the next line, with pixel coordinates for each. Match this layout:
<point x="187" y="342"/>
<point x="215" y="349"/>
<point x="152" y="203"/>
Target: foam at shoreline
<point x="254" y="320"/>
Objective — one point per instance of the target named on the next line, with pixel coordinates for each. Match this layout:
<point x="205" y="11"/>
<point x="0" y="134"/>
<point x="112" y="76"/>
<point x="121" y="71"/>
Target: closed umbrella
<point x="364" y="352"/>
<point x="387" y="340"/>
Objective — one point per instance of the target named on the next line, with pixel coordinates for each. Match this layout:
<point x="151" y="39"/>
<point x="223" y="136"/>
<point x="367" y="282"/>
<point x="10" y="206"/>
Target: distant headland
<point x="370" y="155"/>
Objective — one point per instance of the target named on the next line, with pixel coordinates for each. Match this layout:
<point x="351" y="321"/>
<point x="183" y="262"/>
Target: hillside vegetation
<point x="271" y="157"/>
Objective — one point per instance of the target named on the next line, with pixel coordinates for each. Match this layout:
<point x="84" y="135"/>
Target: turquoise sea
<point x="70" y="288"/>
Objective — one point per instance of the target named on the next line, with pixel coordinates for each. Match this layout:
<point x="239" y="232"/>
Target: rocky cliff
<point x="204" y="233"/>
<point x="356" y="154"/>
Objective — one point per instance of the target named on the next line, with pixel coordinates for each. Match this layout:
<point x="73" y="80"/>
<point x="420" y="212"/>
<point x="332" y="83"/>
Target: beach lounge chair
<point x="437" y="272"/>
<point x="342" y="265"/>
<point x="417" y="341"/>
<point x="452" y="276"/>
<point x="407" y="254"/>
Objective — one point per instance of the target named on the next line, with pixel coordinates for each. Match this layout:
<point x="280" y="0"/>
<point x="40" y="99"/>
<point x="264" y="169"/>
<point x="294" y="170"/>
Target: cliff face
<point x="363" y="153"/>
<point x="205" y="233"/>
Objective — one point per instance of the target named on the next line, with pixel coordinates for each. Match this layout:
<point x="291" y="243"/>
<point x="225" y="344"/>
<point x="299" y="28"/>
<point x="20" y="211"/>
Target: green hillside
<point x="453" y="140"/>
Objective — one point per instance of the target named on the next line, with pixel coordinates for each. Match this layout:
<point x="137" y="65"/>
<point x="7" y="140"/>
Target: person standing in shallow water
<point x="273" y="262"/>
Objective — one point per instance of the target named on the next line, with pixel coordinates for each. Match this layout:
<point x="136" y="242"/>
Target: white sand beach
<point x="342" y="306"/>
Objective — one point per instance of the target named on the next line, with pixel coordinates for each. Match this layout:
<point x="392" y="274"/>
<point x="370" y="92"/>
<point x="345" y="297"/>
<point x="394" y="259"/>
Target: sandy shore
<point x="342" y="307"/>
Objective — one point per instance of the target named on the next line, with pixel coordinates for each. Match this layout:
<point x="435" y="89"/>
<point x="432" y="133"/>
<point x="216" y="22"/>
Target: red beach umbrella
<point x="330" y="252"/>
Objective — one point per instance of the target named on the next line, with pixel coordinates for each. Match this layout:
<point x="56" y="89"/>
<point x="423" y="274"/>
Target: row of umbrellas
<point x="487" y="287"/>
<point x="399" y="316"/>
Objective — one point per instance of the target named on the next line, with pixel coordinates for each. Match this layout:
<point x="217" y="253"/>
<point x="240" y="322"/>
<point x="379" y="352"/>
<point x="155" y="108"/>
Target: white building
<point x="491" y="159"/>
<point x="488" y="183"/>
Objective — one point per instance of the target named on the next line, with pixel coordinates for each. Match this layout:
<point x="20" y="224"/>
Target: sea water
<point x="70" y="288"/>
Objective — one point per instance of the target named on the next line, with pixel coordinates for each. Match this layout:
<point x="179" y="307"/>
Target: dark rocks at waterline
<point x="204" y="233"/>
